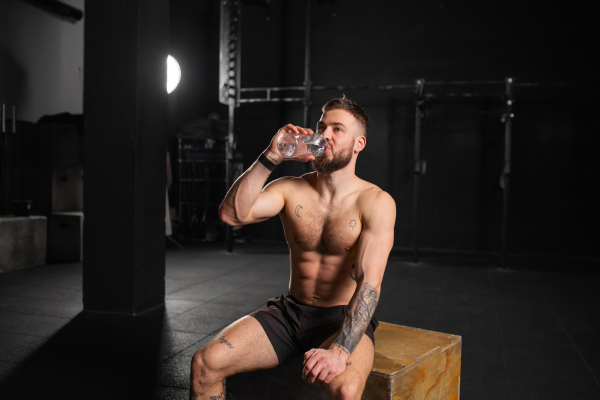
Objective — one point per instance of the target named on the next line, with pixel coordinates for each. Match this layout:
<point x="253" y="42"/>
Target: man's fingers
<point x="308" y="355"/>
<point x="290" y="128"/>
<point x="315" y="371"/>
<point x="324" y="374"/>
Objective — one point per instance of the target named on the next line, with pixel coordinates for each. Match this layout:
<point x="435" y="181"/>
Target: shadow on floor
<point x="95" y="355"/>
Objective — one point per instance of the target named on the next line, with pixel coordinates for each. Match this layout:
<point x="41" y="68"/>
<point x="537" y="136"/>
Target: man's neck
<point x="337" y="183"/>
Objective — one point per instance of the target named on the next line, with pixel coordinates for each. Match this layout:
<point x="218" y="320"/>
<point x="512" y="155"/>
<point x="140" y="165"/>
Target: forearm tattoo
<point x="358" y="316"/>
<point x="219" y="397"/>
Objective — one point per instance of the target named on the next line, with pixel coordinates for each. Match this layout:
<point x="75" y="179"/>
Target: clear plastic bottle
<point x="297" y="145"/>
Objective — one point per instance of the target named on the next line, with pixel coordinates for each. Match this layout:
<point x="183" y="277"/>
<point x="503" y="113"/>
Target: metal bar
<point x="307" y="73"/>
<point x="365" y="87"/>
<point x="538" y="84"/>
<point x="307" y="65"/>
<point x="431" y="95"/>
<point x="14" y="120"/>
<point x="506" y="171"/>
<point x="229" y="166"/>
<point x="453" y="83"/>
<point x="274" y="100"/>
<point x="179" y="171"/>
<point x="417" y="172"/>
<point x="238" y="58"/>
<point x="408" y="86"/>
<point x="274" y="88"/>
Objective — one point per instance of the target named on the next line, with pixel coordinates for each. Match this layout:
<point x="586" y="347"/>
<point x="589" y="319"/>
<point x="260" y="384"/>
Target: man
<point x="340" y="231"/>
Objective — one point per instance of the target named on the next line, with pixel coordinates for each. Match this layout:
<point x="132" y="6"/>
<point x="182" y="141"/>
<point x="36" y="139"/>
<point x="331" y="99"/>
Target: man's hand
<point x="323" y="365"/>
<point x="272" y="153"/>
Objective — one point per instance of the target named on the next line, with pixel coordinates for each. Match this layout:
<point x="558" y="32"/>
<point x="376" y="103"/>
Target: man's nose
<point x="327" y="133"/>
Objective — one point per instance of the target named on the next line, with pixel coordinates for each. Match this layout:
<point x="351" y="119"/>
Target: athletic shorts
<point x="294" y="327"/>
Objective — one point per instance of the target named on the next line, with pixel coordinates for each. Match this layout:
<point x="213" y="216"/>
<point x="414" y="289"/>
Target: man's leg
<point x="351" y="383"/>
<point x="242" y="346"/>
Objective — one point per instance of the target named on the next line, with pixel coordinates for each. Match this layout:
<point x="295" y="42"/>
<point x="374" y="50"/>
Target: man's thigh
<point x="358" y="366"/>
<point x="240" y="347"/>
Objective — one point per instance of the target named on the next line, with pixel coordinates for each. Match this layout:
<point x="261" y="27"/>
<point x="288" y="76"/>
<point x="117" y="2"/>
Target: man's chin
<point x="327" y="165"/>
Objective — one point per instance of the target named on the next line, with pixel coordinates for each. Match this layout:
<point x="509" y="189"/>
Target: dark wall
<point x="391" y="42"/>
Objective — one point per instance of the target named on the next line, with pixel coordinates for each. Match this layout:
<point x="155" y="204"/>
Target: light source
<point x="173" y="74"/>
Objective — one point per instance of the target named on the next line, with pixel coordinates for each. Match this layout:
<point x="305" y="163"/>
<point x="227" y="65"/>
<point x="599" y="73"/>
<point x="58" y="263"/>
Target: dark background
<point x="555" y="130"/>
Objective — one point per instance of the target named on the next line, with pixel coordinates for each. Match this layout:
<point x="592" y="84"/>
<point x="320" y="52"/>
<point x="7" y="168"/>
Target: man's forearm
<point x="358" y="316"/>
<point x="243" y="193"/>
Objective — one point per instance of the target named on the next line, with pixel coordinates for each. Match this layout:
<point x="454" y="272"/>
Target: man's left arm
<point x="375" y="244"/>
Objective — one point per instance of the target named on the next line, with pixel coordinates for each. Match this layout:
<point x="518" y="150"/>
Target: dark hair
<point x="345" y="104"/>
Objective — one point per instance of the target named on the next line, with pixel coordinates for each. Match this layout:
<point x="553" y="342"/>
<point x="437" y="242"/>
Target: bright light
<point x="173" y="74"/>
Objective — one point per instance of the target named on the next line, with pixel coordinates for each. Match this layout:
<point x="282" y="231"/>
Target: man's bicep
<point x="269" y="202"/>
<point x="267" y="205"/>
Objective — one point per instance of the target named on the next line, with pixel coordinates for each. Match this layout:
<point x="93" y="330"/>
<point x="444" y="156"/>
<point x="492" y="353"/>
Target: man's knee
<point x="205" y="368"/>
<point x="348" y="391"/>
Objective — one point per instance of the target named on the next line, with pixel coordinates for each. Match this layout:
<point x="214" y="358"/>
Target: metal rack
<point x="231" y="94"/>
<point x="202" y="179"/>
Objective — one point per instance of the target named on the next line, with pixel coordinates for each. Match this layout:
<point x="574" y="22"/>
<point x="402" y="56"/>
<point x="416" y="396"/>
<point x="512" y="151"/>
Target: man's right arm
<point x="246" y="202"/>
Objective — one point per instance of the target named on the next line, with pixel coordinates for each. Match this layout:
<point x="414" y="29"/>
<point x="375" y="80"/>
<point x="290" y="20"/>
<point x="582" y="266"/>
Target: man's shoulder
<point x="371" y="192"/>
<point x="286" y="183"/>
<point x="372" y="198"/>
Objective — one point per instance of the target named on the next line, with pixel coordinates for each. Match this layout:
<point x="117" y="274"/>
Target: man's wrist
<point x="268" y="160"/>
<point x="274" y="158"/>
<point x="340" y="351"/>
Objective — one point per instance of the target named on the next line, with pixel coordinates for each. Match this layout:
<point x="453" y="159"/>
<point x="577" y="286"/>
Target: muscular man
<point x="340" y="231"/>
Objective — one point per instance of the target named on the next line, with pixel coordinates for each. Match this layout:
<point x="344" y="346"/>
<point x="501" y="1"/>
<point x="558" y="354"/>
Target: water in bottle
<point x="297" y="145"/>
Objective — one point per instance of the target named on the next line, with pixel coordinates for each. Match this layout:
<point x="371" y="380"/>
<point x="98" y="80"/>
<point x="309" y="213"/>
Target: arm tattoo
<point x="219" y="397"/>
<point x="223" y="340"/>
<point x="195" y="395"/>
<point x="358" y="316"/>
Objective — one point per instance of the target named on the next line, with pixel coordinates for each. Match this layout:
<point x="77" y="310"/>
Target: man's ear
<point x="360" y="144"/>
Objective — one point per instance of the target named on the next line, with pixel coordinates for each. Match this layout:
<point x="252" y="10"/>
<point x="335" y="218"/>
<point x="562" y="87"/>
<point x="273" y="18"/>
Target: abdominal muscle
<point x="321" y="280"/>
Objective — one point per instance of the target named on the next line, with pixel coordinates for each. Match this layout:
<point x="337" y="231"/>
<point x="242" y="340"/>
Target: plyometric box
<point x="409" y="364"/>
<point x="415" y="364"/>
<point x="22" y="242"/>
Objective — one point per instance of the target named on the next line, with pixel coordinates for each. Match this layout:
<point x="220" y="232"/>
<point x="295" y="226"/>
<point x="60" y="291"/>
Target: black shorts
<point x="294" y="327"/>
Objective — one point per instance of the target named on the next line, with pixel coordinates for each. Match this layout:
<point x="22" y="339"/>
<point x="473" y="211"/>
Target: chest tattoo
<point x="352" y="223"/>
<point x="297" y="211"/>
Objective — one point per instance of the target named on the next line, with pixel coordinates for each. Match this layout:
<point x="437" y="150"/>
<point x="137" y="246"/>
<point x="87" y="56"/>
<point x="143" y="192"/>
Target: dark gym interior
<point x="115" y="267"/>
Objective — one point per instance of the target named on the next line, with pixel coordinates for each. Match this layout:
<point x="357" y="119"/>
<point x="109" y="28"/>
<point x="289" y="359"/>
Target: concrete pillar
<point x="125" y="142"/>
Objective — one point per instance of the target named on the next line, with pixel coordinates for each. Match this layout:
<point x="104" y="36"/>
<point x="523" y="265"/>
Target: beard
<point x="325" y="166"/>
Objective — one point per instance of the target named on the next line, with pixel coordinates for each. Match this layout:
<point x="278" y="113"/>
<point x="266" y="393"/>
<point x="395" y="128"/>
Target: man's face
<point x="338" y="127"/>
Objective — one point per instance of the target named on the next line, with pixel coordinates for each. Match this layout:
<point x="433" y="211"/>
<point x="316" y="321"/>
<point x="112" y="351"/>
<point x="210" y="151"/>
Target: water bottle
<point x="296" y="145"/>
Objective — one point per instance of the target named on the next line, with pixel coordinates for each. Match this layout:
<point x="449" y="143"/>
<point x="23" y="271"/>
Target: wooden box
<point x="416" y="364"/>
<point x="22" y="242"/>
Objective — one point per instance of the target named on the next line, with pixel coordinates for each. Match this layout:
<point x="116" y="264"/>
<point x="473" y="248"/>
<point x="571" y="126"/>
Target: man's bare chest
<point x="312" y="227"/>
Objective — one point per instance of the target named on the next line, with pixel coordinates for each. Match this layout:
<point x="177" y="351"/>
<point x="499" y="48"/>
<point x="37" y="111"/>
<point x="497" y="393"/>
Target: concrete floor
<point x="526" y="334"/>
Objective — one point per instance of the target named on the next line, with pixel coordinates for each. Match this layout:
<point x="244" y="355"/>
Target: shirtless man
<point x="340" y="231"/>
